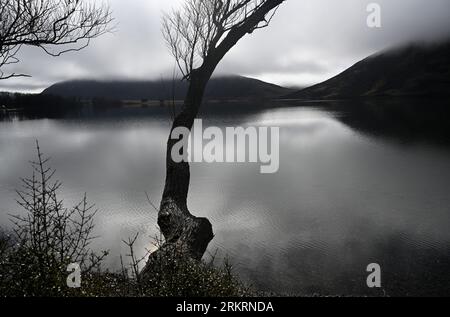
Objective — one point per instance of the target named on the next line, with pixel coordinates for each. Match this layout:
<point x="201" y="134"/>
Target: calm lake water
<point x="352" y="189"/>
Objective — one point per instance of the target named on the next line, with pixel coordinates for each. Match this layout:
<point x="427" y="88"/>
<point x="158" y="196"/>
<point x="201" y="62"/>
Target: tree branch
<point x="49" y="24"/>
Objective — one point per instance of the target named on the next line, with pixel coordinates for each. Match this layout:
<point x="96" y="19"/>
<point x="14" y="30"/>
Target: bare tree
<point x="199" y="36"/>
<point x="48" y="24"/>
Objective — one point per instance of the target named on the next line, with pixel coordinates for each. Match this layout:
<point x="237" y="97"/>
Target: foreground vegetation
<point x="48" y="237"/>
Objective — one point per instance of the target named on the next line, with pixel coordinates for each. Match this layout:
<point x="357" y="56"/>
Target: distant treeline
<point x="50" y="106"/>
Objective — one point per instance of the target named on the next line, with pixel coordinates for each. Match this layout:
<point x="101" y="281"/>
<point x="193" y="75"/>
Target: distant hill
<point x="220" y="88"/>
<point x="413" y="70"/>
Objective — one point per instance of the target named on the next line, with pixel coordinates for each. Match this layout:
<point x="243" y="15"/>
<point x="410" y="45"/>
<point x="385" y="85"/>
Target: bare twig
<point x="151" y="203"/>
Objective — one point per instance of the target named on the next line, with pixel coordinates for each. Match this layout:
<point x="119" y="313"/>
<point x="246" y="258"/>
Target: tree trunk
<point x="182" y="230"/>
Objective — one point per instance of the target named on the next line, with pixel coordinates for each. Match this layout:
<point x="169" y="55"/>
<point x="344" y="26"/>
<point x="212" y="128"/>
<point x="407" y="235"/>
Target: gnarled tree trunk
<point x="190" y="235"/>
<point x="177" y="224"/>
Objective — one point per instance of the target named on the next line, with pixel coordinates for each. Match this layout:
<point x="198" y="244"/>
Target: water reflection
<point x="347" y="193"/>
<point x="404" y="121"/>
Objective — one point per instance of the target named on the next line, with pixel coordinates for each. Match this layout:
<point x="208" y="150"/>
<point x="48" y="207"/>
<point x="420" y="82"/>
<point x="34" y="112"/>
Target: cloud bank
<point x="307" y="42"/>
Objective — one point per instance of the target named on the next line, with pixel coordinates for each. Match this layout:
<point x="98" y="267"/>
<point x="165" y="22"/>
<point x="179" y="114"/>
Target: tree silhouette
<point x="199" y="36"/>
<point x="47" y="24"/>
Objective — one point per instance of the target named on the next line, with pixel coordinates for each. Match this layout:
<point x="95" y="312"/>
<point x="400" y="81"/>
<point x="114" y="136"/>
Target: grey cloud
<point x="308" y="41"/>
<point x="21" y="86"/>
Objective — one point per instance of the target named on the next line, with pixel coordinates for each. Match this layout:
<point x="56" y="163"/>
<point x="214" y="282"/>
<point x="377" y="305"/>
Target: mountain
<point x="220" y="88"/>
<point x="412" y="70"/>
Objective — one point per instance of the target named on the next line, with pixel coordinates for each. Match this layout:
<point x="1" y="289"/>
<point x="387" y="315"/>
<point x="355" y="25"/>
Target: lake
<point x="358" y="184"/>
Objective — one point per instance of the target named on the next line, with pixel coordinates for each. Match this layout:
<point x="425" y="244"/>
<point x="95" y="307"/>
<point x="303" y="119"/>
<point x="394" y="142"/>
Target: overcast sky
<point x="307" y="42"/>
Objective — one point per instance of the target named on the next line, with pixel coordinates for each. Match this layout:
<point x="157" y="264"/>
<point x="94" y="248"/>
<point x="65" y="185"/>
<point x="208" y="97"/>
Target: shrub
<point x="46" y="238"/>
<point x="170" y="273"/>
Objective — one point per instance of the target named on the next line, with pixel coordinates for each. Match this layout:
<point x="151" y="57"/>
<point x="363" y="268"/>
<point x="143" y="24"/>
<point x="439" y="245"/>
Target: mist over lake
<point x="347" y="194"/>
